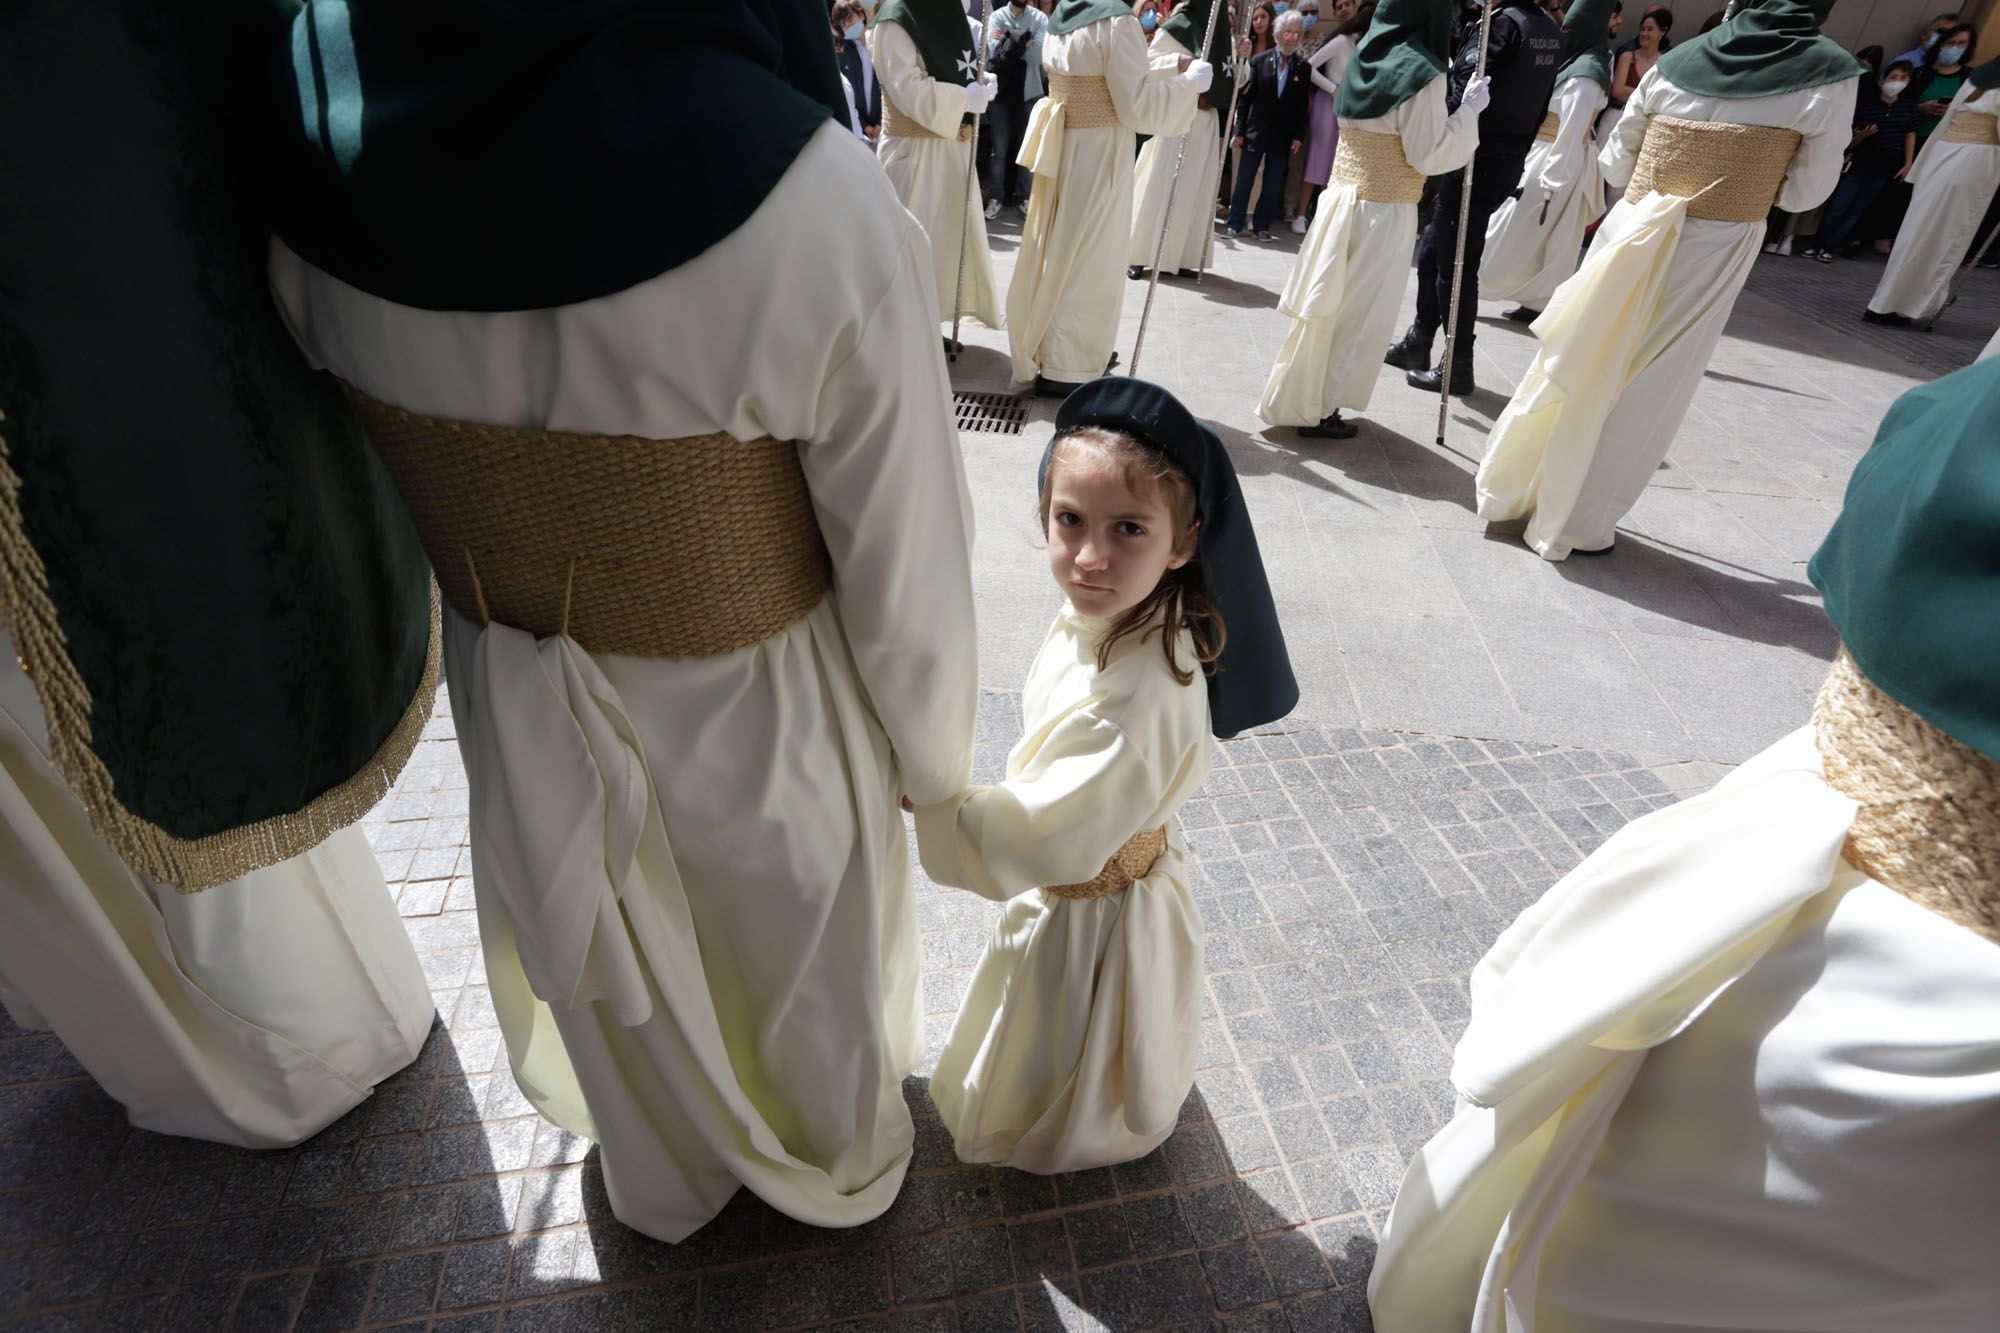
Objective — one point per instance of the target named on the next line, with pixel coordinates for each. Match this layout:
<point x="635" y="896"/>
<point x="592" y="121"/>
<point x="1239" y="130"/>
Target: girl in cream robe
<point x="1626" y="339"/>
<point x="693" y="879"/>
<point x="930" y="176"/>
<point x="1533" y="242"/>
<point x="1076" y="1044"/>
<point x="1068" y="287"/>
<point x="1201" y="176"/>
<point x="1954" y="184"/>
<point x="254" y="1013"/>
<point x="1348" y="280"/>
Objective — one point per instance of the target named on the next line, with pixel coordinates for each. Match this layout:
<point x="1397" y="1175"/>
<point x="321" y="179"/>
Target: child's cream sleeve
<point x="1086" y="789"/>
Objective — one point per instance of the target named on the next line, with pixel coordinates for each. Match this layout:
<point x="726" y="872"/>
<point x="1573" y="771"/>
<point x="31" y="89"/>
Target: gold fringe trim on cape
<point x="1929" y="824"/>
<point x="187" y="864"/>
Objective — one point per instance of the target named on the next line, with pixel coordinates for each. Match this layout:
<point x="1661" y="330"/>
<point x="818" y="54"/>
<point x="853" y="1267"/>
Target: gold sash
<point x="1375" y="166"/>
<point x="1973" y="127"/>
<point x="1085" y="99"/>
<point x="1727" y="173"/>
<point x="658" y="548"/>
<point x="897" y="125"/>
<point x="1127" y="866"/>
<point x="1550" y="124"/>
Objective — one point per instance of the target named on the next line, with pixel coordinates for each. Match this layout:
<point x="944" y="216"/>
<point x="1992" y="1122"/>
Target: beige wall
<point x="1892" y="24"/>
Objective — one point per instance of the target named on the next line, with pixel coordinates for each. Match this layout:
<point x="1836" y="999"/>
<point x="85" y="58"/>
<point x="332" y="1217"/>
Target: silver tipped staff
<point x="1464" y="219"/>
<point x="965" y="195"/>
<point x="1173" y="187"/>
<point x="1958" y="278"/>
<point x="1237" y="73"/>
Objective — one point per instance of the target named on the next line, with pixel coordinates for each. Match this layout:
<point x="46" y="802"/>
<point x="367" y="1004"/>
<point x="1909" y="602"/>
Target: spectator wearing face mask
<point x="858" y="67"/>
<point x="1270" y="124"/>
<point x="1884" y="147"/>
<point x="1014" y="39"/>
<point x="1954" y="176"/>
<point x="1917" y="56"/>
<point x="1943" y="75"/>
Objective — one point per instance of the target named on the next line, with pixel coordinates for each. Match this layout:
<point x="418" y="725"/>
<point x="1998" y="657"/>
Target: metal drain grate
<point x="991" y="413"/>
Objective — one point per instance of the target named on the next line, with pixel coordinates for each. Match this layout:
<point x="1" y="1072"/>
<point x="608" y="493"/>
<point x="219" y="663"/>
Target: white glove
<point x="978" y="96"/>
<point x="1478" y="92"/>
<point x="1202" y="73"/>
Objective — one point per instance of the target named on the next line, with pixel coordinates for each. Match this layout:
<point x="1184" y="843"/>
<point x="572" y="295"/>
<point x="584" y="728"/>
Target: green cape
<point x="207" y="575"/>
<point x="1587" y="43"/>
<point x="942" y="36"/>
<point x="518" y="154"/>
<point x="1186" y="24"/>
<point x="1070" y="15"/>
<point x="1770" y="47"/>
<point x="1407" y="45"/>
<point x="1911" y="568"/>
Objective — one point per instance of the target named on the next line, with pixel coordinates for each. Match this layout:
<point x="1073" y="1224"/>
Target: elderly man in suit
<point x="1270" y="122"/>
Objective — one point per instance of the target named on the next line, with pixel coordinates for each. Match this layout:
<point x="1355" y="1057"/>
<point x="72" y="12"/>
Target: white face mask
<point x="1950" y="55"/>
<point x="1893" y="87"/>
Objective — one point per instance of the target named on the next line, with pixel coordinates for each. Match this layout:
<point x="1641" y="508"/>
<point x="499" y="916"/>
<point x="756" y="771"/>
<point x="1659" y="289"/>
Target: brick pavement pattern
<point x="1348" y="878"/>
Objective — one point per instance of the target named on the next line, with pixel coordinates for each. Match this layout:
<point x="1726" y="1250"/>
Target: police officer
<point x="1522" y="52"/>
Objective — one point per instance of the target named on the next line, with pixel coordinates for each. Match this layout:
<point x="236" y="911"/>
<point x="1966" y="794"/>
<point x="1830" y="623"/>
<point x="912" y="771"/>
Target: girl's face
<point x="1649" y="34"/>
<point x="1109" y="545"/>
<point x="1260" y="22"/>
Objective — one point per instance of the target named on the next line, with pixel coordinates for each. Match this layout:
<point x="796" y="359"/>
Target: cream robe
<point x="1201" y="177"/>
<point x="1069" y="279"/>
<point x="1076" y="1044"/>
<point x="254" y="1013"/>
<point x="1719" y="1079"/>
<point x="1953" y="183"/>
<point x="1626" y="339"/>
<point x="692" y="875"/>
<point x="930" y="175"/>
<point x="1528" y="251"/>
<point x="1348" y="280"/>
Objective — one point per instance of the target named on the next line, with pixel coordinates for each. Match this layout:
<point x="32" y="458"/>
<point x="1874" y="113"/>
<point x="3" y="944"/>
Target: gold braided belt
<point x="1929" y="825"/>
<point x="1550" y="124"/>
<point x="897" y="125"/>
<point x="1085" y="98"/>
<point x="1127" y="866"/>
<point x="1734" y="169"/>
<point x="1973" y="127"/>
<point x="660" y="548"/>
<point x="1375" y="166"/>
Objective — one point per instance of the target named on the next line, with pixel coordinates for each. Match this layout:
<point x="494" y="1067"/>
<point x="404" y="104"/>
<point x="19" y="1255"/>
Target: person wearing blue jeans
<point x="1271" y="113"/>
<point x="1885" y="144"/>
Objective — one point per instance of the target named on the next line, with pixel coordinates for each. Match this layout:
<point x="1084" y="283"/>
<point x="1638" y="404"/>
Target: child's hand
<point x="907" y="807"/>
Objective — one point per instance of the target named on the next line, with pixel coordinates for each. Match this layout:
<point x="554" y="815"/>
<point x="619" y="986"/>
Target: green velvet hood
<point x="207" y="575"/>
<point x="1407" y="44"/>
<point x="1186" y="24"/>
<point x="1911" y="568"/>
<point x="1586" y="50"/>
<point x="1069" y="15"/>
<point x="942" y="36"/>
<point x="522" y="154"/>
<point x="1769" y="47"/>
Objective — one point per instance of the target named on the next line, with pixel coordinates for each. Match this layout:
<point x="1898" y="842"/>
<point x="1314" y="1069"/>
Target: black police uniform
<point x="1522" y="53"/>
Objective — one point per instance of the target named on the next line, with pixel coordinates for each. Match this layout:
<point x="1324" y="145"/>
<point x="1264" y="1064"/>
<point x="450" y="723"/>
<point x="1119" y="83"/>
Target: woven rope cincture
<point x="1727" y="173"/>
<point x="1086" y="100"/>
<point x="1929" y="823"/>
<point x="1127" y="866"/>
<point x="1374" y="164"/>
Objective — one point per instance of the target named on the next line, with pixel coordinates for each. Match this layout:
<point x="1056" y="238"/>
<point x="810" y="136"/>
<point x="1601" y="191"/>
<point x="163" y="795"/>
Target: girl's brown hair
<point x="1181" y="599"/>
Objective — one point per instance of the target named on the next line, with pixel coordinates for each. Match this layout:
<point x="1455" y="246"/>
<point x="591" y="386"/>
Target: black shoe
<point x="1188" y="273"/>
<point x="1048" y="388"/>
<point x="1410" y="352"/>
<point x="1265" y="235"/>
<point x="1335" y="427"/>
<point x="1892" y="319"/>
<point x="1431" y="380"/>
<point x="1520" y="314"/>
<point x="1136" y="272"/>
<point x="1605" y="549"/>
<point x="1112" y="364"/>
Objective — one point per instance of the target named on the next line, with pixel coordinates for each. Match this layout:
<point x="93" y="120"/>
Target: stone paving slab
<point x="1348" y="878"/>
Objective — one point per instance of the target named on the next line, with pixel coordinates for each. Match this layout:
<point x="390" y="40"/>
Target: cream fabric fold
<point x="1533" y="241"/>
<point x="253" y="1013"/>
<point x="1347" y="282"/>
<point x="1068" y="288"/>
<point x="1619" y="956"/>
<point x="1076" y="1042"/>
<point x="930" y="176"/>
